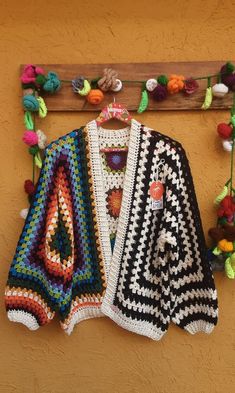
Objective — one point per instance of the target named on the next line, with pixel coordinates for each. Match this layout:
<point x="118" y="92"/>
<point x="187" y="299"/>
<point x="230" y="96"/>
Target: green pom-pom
<point x="230" y="67"/>
<point x="40" y="79"/>
<point x="163" y="80"/>
<point x="34" y="150"/>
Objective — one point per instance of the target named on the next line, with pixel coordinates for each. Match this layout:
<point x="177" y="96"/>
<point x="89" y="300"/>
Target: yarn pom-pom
<point x="40" y="79"/>
<point x="219" y="90"/>
<point x="24" y="213"/>
<point x="33" y="150"/>
<point x="227" y="76"/>
<point x="30" y="138"/>
<point x="39" y="70"/>
<point x="28" y="74"/>
<point x="163" y="80"/>
<point x="159" y="93"/>
<point x="224" y="130"/>
<point x="42" y="139"/>
<point x="30" y="103"/>
<point x="227" y="145"/>
<point x="175" y="84"/>
<point x="53" y="83"/>
<point x="29" y="187"/>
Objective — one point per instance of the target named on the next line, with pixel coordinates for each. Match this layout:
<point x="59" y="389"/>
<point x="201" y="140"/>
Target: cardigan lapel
<point x="91" y="131"/>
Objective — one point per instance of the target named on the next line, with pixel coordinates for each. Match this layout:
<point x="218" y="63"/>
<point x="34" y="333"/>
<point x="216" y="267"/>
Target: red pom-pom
<point x="224" y="130"/>
<point x="29" y="187"/>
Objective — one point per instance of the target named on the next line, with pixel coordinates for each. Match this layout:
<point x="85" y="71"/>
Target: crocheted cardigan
<point x="94" y="243"/>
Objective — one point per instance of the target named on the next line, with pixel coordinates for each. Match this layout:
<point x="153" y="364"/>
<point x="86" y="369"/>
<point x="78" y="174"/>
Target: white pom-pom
<point x="24" y="213"/>
<point x="227" y="145"/>
<point x="219" y="90"/>
<point x="151" y="84"/>
<point x="42" y="139"/>
<point x="118" y="86"/>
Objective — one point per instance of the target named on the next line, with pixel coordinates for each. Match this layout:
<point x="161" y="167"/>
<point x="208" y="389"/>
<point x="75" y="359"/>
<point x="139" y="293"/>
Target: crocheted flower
<point x="116" y="160"/>
<point x="114" y="200"/>
<point x="190" y="86"/>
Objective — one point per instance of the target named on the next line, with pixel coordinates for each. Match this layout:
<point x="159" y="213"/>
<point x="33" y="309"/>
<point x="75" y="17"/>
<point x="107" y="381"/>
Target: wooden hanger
<point x="115" y="111"/>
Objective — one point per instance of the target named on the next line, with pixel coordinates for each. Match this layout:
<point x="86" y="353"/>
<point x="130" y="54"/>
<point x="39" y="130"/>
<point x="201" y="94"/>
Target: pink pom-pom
<point x="30" y="138"/>
<point x="28" y="75"/>
<point x="39" y="71"/>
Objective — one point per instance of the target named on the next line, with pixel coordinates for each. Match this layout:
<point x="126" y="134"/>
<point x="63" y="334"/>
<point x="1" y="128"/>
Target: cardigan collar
<point x="92" y="136"/>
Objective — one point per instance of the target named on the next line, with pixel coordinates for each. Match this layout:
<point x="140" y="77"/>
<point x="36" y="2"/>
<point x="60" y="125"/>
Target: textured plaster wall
<point x="100" y="357"/>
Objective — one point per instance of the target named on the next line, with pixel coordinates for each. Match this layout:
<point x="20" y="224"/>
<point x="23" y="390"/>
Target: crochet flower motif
<point x="116" y="161"/>
<point x="114" y="200"/>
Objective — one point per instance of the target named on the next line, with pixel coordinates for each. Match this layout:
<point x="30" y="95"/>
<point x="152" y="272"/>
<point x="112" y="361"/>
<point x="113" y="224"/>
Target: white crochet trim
<point x="143" y="328"/>
<point x="199" y="326"/>
<point x="23" y="317"/>
<point x="81" y="315"/>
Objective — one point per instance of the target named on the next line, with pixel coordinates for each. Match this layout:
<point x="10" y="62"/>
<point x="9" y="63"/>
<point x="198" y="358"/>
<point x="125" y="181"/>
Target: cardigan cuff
<point x="199" y="326"/>
<point x="23" y="317"/>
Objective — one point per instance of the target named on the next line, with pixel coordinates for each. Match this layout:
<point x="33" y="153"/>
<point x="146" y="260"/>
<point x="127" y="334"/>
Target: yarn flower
<point x="175" y="84"/>
<point x="95" y="96"/>
<point x="41" y="139"/>
<point x="190" y="86"/>
<point x="30" y="138"/>
<point x="114" y="200"/>
<point x="163" y="80"/>
<point x="159" y="93"/>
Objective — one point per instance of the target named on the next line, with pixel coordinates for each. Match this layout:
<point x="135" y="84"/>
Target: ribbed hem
<point x="140" y="327"/>
<point x="81" y="315"/>
<point x="199" y="326"/>
<point x="23" y="317"/>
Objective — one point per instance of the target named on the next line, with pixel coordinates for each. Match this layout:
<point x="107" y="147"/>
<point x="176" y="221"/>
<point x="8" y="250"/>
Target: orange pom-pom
<point x="95" y="97"/>
<point x="175" y="84"/>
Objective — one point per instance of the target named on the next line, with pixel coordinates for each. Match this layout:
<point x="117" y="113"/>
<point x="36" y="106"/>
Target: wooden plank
<point x="66" y="100"/>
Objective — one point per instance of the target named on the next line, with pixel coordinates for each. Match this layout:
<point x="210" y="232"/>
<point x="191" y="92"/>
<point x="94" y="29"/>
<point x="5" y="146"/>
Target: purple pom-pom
<point x="159" y="93"/>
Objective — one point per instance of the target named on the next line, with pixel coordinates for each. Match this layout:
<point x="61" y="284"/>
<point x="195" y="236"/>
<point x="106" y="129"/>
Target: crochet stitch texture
<point x="141" y="267"/>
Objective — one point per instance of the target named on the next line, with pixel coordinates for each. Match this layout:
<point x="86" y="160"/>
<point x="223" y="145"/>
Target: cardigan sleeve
<point x="33" y="291"/>
<point x="194" y="297"/>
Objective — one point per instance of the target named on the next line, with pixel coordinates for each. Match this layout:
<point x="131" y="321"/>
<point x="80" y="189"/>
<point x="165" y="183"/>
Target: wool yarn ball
<point x="29" y="187"/>
<point x="30" y="103"/>
<point x="42" y="139"/>
<point x="53" y="83"/>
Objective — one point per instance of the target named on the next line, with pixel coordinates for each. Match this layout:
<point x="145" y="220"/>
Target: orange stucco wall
<point x="100" y="357"/>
